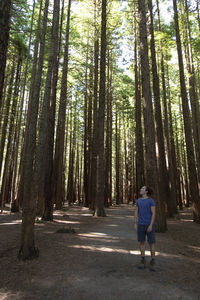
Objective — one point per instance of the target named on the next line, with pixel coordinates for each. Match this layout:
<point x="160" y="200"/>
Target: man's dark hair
<point x="149" y="190"/>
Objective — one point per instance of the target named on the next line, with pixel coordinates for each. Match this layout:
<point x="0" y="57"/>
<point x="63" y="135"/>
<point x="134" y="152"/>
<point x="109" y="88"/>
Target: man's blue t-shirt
<point x="144" y="210"/>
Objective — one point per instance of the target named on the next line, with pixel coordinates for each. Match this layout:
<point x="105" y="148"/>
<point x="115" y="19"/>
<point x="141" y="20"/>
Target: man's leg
<point x="141" y="239"/>
<point x="151" y="241"/>
<point x="142" y="249"/>
<point x="152" y="262"/>
<point x="142" y="264"/>
<point x="152" y="250"/>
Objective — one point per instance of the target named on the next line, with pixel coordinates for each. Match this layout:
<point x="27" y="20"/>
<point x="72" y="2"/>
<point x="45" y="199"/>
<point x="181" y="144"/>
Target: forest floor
<point x="99" y="260"/>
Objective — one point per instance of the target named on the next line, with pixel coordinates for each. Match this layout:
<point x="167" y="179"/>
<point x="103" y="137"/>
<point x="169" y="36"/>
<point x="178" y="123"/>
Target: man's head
<point x="146" y="191"/>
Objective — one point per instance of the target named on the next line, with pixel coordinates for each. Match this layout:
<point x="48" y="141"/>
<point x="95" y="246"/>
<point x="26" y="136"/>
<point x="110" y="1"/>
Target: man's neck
<point x="145" y="197"/>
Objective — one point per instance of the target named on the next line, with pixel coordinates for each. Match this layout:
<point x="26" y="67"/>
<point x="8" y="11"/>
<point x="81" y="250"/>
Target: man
<point x="144" y="223"/>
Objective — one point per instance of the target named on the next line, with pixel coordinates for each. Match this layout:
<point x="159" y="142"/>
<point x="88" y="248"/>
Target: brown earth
<point x="99" y="260"/>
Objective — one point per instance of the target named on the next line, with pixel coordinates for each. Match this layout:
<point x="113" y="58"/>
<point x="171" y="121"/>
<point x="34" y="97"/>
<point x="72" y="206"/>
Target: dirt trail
<point x="99" y="261"/>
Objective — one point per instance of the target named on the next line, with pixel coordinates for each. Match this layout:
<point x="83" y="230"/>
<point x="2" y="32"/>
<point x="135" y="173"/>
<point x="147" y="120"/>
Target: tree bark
<point x="27" y="247"/>
<point x="60" y="133"/>
<point x="117" y="160"/>
<point x="45" y="128"/>
<point x="95" y="113"/>
<point x="163" y="174"/>
<point x="192" y="85"/>
<point x="5" y="8"/>
<point x="11" y="133"/>
<point x="14" y="202"/>
<point x="171" y="166"/>
<point x="99" y="201"/>
<point x="108" y="151"/>
<point x="86" y="138"/>
<point x="6" y="115"/>
<point x="151" y="164"/>
<point x="33" y="104"/>
<point x="187" y="126"/>
<point x="140" y="178"/>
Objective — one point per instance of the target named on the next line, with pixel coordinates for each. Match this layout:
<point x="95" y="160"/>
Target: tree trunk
<point x="71" y="170"/>
<point x="46" y="131"/>
<point x="7" y="108"/>
<point x="187" y="126"/>
<point x="107" y="143"/>
<point x="86" y="150"/>
<point x="27" y="247"/>
<point x="60" y="133"/>
<point x="151" y="164"/>
<point x="99" y="201"/>
<point x="95" y="113"/>
<point x="163" y="174"/>
<point x="108" y="152"/>
<point x="34" y="95"/>
<point x="117" y="163"/>
<point x="198" y="15"/>
<point x="14" y="202"/>
<point x="192" y="86"/>
<point x="178" y="179"/>
<point x="5" y="8"/>
<point x="172" y="197"/>
<point x="126" y="161"/>
<point x="11" y="133"/>
<point x="89" y="130"/>
<point x="140" y="180"/>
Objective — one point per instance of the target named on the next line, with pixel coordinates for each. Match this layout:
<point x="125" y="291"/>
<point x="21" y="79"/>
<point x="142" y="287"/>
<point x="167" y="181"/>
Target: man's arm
<point x="136" y="217"/>
<point x="153" y="216"/>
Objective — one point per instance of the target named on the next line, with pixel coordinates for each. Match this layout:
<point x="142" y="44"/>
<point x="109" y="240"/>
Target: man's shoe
<point x="152" y="265"/>
<point x="142" y="264"/>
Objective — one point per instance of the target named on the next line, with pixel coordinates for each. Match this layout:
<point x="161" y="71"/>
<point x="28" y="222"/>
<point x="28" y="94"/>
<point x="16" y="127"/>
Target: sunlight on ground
<point x="67" y="222"/>
<point x="120" y="217"/>
<point x="97" y="235"/>
<point x="79" y="214"/>
<point x="147" y="253"/>
<point x="107" y="249"/>
<point x="4" y="295"/>
<point x="102" y="249"/>
<point x="194" y="248"/>
<point x="124" y="251"/>
<point x="5" y="213"/>
<point x="12" y="223"/>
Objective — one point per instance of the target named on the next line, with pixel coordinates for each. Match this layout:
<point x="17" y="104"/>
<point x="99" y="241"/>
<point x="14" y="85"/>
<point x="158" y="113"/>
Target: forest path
<point x="100" y="260"/>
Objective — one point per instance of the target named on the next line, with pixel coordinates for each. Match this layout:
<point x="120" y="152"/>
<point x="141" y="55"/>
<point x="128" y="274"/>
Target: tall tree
<point x="108" y="150"/>
<point x="86" y="137"/>
<point x="14" y="199"/>
<point x="95" y="111"/>
<point x="5" y="9"/>
<point x="6" y="112"/>
<point x="151" y="164"/>
<point x="60" y="133"/>
<point x="195" y="109"/>
<point x="163" y="174"/>
<point x="99" y="201"/>
<point x="194" y="190"/>
<point x="11" y="134"/>
<point x="171" y="166"/>
<point x="48" y="104"/>
<point x="140" y="179"/>
<point x="27" y="246"/>
<point x="34" y="96"/>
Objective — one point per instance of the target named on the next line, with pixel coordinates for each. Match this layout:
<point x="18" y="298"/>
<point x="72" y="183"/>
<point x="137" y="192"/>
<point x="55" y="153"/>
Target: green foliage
<point x="19" y="33"/>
